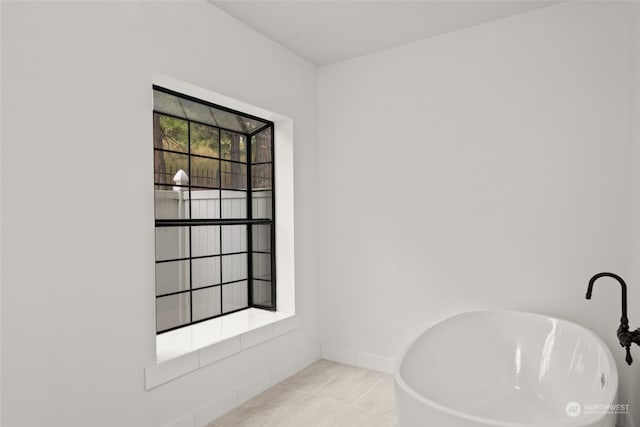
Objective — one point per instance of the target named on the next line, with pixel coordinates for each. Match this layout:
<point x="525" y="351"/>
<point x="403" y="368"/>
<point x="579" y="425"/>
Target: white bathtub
<point x="511" y="369"/>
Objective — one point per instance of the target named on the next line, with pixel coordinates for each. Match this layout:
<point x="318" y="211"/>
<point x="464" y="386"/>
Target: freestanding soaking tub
<point x="510" y="369"/>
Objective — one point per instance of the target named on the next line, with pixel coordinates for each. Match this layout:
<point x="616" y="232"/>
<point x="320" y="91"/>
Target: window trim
<point x="248" y="221"/>
<point x="160" y="363"/>
<point x="197" y="346"/>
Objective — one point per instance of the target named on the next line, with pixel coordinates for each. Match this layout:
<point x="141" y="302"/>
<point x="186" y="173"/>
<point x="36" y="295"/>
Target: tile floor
<point x="325" y="394"/>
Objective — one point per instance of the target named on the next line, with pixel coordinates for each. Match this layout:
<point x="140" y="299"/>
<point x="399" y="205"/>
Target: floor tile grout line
<point x="358" y="368"/>
<point x="319" y="396"/>
<point x="323" y="384"/>
<point x="276" y="386"/>
<point x="348" y="405"/>
<point x="312" y="395"/>
<point x="307" y="395"/>
<point x="293" y="407"/>
<point x="352" y="405"/>
<point x="369" y="390"/>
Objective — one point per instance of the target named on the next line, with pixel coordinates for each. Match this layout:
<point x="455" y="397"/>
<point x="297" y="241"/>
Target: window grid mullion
<point x="273" y="219"/>
<point x="220" y="215"/>
<point x="202" y="156"/>
<point x="249" y="227"/>
<point x="190" y="217"/>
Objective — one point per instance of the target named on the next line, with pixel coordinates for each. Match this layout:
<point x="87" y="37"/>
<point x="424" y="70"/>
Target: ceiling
<point x="325" y="32"/>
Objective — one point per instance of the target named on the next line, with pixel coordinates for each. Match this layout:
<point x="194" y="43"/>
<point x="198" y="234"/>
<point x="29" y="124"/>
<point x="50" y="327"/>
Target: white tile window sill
<point x="186" y="349"/>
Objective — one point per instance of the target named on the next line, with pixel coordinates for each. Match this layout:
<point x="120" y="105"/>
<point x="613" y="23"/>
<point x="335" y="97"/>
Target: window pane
<point x="261" y="146"/>
<point x="261" y="177"/>
<point x="234" y="267"/>
<point x="165" y="103"/>
<point x="234" y="204"/>
<point x="182" y="107"/>
<point x="170" y="203"/>
<point x="170" y="133"/>
<point x="234" y="238"/>
<point x="236" y="122"/>
<point x="205" y="240"/>
<point x="234" y="296"/>
<point x="206" y="303"/>
<point x="205" y="272"/>
<point x="204" y="140"/>
<point x="172" y="277"/>
<point x="262" y="204"/>
<point x="206" y="267"/>
<point x="172" y="311"/>
<point x="172" y="243"/>
<point x="262" y="293"/>
<point x="205" y="172"/>
<point x="197" y="111"/>
<point x="261" y="238"/>
<point x="167" y="165"/>
<point x="233" y="175"/>
<point x="262" y="266"/>
<point x="205" y="203"/>
<point x="233" y="146"/>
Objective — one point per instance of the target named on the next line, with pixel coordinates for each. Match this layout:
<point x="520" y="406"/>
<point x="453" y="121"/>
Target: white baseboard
<point x="360" y="359"/>
<point x="209" y="411"/>
<point x="214" y="408"/>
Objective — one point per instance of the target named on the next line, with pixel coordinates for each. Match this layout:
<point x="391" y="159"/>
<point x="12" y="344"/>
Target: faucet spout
<point x="625" y="336"/>
<point x="624" y="320"/>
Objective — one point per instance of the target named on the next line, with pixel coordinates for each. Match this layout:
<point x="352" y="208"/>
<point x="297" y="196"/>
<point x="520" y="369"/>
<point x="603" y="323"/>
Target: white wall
<point x="492" y="168"/>
<point x="78" y="317"/>
<point x="1" y="133"/>
<point x="634" y="291"/>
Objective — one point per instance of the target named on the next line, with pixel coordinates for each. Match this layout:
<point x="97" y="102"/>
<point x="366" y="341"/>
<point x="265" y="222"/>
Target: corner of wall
<point x="1" y="7"/>
<point x="633" y="392"/>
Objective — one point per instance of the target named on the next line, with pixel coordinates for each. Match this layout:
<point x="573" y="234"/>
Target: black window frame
<point x="249" y="221"/>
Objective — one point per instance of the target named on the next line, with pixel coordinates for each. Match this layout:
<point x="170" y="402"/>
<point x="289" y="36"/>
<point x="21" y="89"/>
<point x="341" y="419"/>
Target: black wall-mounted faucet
<point x="625" y="336"/>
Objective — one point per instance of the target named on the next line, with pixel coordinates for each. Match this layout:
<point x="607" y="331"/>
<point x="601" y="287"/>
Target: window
<point x="214" y="210"/>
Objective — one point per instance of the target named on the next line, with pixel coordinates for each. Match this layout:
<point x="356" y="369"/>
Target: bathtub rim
<point x="400" y="382"/>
